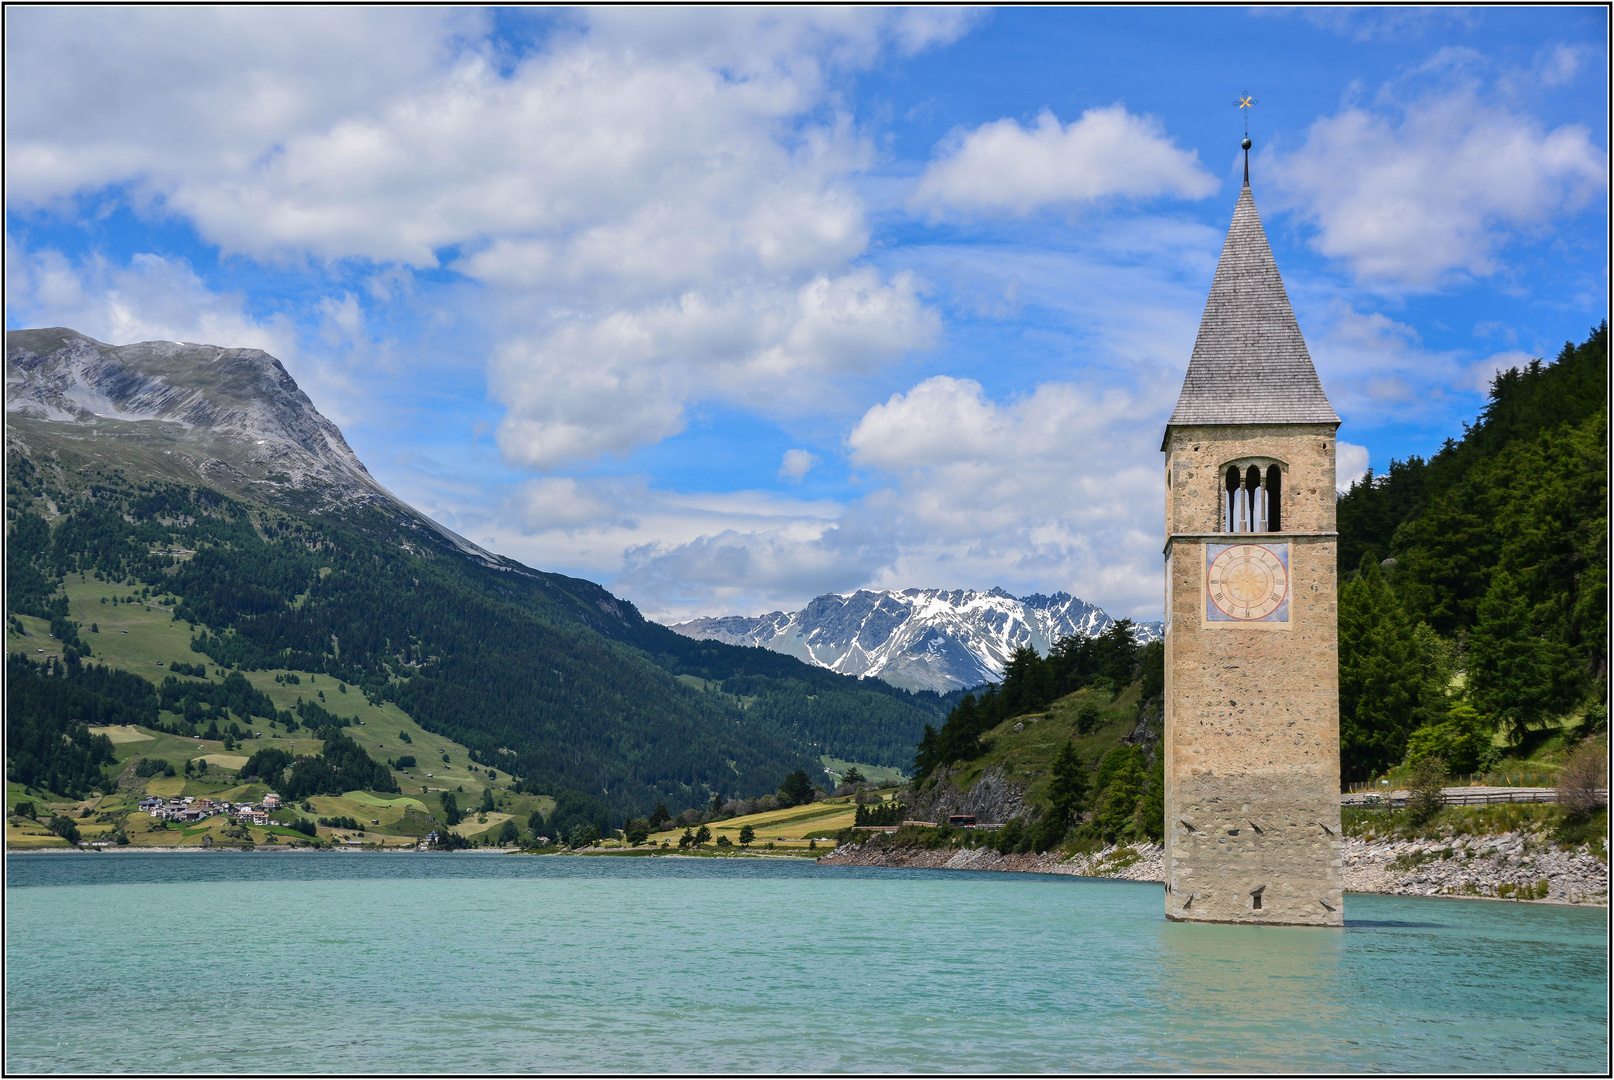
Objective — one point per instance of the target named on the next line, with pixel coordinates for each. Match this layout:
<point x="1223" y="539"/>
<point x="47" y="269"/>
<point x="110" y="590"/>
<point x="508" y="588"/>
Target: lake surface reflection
<point x="476" y="963"/>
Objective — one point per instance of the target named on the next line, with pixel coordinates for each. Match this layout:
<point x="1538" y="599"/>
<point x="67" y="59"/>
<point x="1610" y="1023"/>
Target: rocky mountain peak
<point x="920" y="639"/>
<point x="231" y="418"/>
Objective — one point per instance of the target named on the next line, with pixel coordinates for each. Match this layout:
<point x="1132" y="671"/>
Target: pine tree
<point x="1385" y="691"/>
<point x="1068" y="789"/>
<point x="1509" y="666"/>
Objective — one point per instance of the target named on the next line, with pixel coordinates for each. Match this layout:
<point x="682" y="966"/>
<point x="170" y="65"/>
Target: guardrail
<point x="1459" y="797"/>
<point x="1512" y="778"/>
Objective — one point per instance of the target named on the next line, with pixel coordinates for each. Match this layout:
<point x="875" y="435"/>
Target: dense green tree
<point x="1149" y="820"/>
<point x="451" y="808"/>
<point x="268" y="764"/>
<point x="1498" y="543"/>
<point x="702" y="835"/>
<point x="1067" y="789"/>
<point x="1120" y="792"/>
<point x="1462" y="739"/>
<point x="508" y="833"/>
<point x="486" y="806"/>
<point x="1509" y="664"/>
<point x="747" y="835"/>
<point x="1388" y="682"/>
<point x="796" y="790"/>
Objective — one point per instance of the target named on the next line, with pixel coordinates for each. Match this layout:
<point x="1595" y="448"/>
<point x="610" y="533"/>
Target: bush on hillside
<point x="1583" y="782"/>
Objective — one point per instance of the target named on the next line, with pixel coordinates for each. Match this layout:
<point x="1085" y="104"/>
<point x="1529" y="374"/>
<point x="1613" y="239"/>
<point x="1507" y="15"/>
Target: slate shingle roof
<point x="1250" y="364"/>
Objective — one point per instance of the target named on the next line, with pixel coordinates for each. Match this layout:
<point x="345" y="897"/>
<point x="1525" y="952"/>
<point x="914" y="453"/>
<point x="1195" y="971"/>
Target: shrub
<point x="1462" y="738"/>
<point x="1579" y="780"/>
<point x="1088" y="719"/>
<point x="724" y="841"/>
<point x="1008" y="838"/>
<point x="407" y="761"/>
<point x="1425" y="784"/>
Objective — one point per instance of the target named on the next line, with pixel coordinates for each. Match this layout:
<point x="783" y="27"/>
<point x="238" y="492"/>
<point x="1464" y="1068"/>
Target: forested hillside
<point x="1474" y="585"/>
<point x="549" y="677"/>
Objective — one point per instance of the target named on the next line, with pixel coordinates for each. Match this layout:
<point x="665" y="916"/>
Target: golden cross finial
<point x="1245" y="103"/>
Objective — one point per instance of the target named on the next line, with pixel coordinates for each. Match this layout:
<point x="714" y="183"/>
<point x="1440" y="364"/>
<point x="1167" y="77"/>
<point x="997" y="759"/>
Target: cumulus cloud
<point x="1060" y="488"/>
<point x="1350" y="465"/>
<point x="1004" y="167"/>
<point x="149" y="298"/>
<point x="582" y="388"/>
<point x="796" y="465"/>
<point x="1416" y="200"/>
<point x="660" y="206"/>
<point x="1480" y="375"/>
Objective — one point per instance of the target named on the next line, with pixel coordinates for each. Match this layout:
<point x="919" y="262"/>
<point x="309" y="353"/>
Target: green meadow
<point x="138" y="634"/>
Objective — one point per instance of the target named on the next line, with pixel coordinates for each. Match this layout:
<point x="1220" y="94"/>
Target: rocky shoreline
<point x="1507" y="866"/>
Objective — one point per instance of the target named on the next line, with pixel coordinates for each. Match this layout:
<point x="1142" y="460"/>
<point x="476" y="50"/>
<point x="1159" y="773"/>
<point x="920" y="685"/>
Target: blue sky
<point x="728" y="308"/>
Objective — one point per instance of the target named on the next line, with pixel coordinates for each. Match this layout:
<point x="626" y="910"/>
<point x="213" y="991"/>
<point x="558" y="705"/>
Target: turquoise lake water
<point x="484" y="963"/>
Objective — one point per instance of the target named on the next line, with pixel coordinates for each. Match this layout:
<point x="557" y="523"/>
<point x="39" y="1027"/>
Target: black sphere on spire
<point x="1246" y="143"/>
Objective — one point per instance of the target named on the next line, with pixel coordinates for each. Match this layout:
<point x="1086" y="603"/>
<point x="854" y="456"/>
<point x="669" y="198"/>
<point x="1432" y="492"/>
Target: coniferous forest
<point x="551" y="677"/>
<point x="1474" y="585"/>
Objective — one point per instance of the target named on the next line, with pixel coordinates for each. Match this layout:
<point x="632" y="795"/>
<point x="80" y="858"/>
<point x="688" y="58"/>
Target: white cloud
<point x="151" y="298"/>
<point x="1481" y="374"/>
<point x="1350" y="465"/>
<point x="1060" y="488"/>
<point x="659" y="204"/>
<point x="1414" y="202"/>
<point x="796" y="465"/>
<point x="607" y="385"/>
<point x="1004" y="167"/>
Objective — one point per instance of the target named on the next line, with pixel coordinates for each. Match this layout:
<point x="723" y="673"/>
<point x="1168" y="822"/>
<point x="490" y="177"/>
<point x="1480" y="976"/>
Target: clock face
<point x="1247" y="583"/>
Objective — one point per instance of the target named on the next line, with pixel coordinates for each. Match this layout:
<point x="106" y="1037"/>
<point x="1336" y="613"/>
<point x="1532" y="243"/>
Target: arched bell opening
<point x="1252" y="498"/>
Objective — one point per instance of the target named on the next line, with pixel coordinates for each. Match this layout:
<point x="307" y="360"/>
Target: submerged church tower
<point x="1252" y="643"/>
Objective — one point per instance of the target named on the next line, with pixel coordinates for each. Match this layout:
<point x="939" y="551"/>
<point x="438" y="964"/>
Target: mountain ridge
<point x="918" y="639"/>
<point x="205" y="475"/>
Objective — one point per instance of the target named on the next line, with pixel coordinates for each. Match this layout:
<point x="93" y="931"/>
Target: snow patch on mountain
<point x="920" y="639"/>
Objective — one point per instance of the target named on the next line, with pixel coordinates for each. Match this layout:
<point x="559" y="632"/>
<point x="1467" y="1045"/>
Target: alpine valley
<point x="922" y="639"/>
<point x="199" y="489"/>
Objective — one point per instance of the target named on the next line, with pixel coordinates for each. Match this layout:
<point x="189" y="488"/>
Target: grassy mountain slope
<point x="542" y="675"/>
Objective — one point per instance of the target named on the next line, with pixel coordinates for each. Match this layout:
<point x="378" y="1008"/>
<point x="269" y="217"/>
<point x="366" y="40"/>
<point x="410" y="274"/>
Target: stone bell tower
<point x="1252" y="645"/>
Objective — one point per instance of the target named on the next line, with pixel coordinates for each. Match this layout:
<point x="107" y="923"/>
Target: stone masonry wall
<point x="1252" y="711"/>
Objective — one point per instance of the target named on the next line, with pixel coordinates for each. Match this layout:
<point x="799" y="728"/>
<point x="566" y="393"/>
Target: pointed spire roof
<point x="1250" y="364"/>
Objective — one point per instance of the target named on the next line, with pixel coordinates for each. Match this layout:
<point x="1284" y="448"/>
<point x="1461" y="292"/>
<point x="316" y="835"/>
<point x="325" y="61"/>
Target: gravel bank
<point x="1506" y="866"/>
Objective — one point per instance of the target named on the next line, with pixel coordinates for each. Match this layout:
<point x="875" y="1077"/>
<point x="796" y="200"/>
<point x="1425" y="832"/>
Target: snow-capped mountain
<point x="921" y="639"/>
